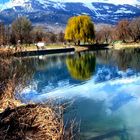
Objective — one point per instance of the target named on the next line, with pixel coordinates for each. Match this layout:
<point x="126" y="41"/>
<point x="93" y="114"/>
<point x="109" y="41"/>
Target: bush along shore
<point x="27" y="121"/>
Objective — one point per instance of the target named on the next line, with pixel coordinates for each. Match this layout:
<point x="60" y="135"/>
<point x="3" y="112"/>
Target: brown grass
<point x="6" y="52"/>
<point x="8" y="82"/>
<point x="7" y="98"/>
<point x="31" y="121"/>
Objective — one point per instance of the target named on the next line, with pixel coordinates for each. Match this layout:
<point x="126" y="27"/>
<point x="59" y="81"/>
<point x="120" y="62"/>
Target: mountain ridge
<point x="58" y="11"/>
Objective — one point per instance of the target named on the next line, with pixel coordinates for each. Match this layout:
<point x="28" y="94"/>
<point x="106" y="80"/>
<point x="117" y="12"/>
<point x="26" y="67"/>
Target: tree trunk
<point x="78" y="42"/>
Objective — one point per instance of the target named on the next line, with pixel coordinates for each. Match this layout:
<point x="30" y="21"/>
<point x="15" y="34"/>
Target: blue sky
<point x="2" y="1"/>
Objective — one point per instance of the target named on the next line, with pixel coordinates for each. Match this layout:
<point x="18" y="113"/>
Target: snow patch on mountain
<point x="129" y="2"/>
<point x="92" y="8"/>
<point x="116" y="2"/>
<point x="120" y="11"/>
<point x="17" y="3"/>
<point x="59" y="6"/>
<point x="58" y="11"/>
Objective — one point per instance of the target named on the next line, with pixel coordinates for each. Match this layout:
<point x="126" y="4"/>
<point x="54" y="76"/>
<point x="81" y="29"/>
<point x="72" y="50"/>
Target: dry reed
<point x="33" y="122"/>
<point x="27" y="122"/>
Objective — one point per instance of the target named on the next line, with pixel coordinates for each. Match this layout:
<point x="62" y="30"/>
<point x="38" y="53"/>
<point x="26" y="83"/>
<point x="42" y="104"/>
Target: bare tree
<point x="104" y="35"/>
<point x="123" y="30"/>
<point x="107" y="34"/>
<point x="61" y="37"/>
<point x="98" y="37"/>
<point x="53" y="38"/>
<point x="21" y="29"/>
<point x="37" y="34"/>
<point x="7" y="34"/>
<point x="135" y="29"/>
<point x="2" y="33"/>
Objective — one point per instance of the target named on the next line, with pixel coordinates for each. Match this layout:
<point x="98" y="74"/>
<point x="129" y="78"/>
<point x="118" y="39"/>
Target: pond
<point x="103" y="88"/>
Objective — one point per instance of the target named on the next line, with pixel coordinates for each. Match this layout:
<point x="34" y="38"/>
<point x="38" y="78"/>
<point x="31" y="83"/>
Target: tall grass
<point x="27" y="121"/>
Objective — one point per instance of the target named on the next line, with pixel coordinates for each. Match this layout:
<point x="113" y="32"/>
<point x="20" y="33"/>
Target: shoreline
<point x="51" y="50"/>
<point x="120" y="46"/>
<point x="44" y="52"/>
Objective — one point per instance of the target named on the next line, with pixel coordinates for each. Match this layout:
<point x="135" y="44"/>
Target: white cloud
<point x="100" y="91"/>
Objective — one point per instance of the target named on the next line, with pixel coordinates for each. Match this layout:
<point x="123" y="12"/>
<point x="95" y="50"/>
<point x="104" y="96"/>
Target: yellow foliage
<point x="81" y="67"/>
<point x="80" y="28"/>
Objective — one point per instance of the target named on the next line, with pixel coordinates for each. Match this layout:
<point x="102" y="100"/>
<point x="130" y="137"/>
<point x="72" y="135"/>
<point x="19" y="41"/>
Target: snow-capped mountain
<point x="58" y="11"/>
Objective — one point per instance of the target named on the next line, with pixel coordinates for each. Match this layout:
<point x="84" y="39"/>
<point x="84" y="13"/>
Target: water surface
<point x="103" y="86"/>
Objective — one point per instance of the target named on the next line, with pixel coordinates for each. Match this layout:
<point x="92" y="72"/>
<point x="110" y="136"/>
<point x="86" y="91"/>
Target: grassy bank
<point x="119" y="46"/>
<point x="32" y="47"/>
<point x="53" y="46"/>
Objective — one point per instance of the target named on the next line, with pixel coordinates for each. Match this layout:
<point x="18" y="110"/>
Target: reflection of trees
<point x="124" y="59"/>
<point x="129" y="59"/>
<point x="46" y="62"/>
<point x="81" y="67"/>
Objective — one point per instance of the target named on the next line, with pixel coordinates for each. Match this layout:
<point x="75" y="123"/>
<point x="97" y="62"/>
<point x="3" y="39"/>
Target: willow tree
<point x="81" y="67"/>
<point x="80" y="28"/>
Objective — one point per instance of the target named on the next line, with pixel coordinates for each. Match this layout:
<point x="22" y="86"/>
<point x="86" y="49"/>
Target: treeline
<point x="125" y="31"/>
<point x="80" y="29"/>
<point x="22" y="30"/>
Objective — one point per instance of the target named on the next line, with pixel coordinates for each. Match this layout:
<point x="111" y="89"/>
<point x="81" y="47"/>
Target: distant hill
<point x="57" y="12"/>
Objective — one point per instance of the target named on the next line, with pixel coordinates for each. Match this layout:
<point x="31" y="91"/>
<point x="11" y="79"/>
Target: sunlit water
<point x="103" y="88"/>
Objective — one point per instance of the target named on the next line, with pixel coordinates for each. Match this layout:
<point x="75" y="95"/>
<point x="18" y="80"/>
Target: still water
<point x="103" y="88"/>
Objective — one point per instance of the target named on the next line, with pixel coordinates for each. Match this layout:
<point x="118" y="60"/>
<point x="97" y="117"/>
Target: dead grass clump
<point x="8" y="82"/>
<point x="6" y="52"/>
<point x="27" y="122"/>
<point x="13" y="77"/>
<point x="7" y="98"/>
<point x="32" y="122"/>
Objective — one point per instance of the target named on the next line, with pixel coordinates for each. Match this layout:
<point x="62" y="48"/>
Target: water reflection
<point x="123" y="59"/>
<point x="105" y="90"/>
<point x="81" y="67"/>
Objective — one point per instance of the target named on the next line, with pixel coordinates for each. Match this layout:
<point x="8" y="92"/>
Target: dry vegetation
<point x="6" y="52"/>
<point x="125" y="31"/>
<point x="27" y="122"/>
<point x="33" y="122"/>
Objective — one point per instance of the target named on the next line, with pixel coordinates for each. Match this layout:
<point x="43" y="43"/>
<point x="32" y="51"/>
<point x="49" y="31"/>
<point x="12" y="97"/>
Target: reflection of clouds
<point x="101" y="91"/>
<point x="123" y="81"/>
<point x="119" y="98"/>
<point x="107" y="72"/>
<point x="130" y="114"/>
